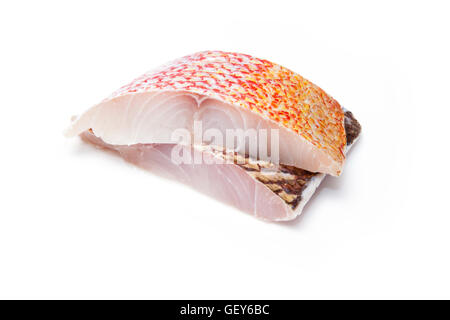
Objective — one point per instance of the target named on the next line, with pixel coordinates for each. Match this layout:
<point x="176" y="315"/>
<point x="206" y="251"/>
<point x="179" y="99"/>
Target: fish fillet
<point x="224" y="90"/>
<point x="266" y="190"/>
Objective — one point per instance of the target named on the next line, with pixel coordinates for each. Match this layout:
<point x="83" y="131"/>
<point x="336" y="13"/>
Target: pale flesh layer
<point x="153" y="117"/>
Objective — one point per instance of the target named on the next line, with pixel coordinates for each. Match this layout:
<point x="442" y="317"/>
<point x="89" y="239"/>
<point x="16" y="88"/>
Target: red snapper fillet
<point x="267" y="191"/>
<point x="225" y="90"/>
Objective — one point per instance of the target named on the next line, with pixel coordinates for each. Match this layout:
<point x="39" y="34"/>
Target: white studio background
<point x="76" y="222"/>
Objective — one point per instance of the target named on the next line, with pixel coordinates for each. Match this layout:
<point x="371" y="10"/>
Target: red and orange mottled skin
<point x="261" y="86"/>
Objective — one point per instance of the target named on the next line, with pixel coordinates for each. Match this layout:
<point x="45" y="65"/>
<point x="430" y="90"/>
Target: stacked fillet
<point x="224" y="91"/>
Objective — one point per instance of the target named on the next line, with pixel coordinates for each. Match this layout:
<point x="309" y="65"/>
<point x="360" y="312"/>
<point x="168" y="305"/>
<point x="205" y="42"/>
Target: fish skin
<point x="265" y="89"/>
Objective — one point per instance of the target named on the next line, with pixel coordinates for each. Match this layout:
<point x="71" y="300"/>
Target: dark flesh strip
<point x="288" y="182"/>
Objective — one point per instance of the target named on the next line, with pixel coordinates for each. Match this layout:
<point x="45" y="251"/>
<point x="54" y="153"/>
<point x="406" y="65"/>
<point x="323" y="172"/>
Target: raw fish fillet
<point x="265" y="190"/>
<point x="225" y="90"/>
